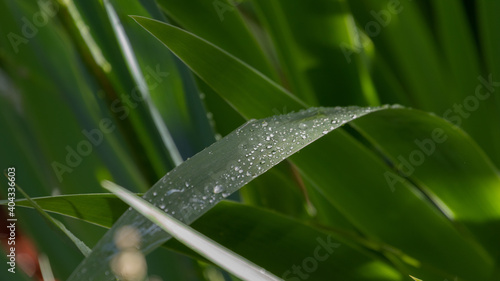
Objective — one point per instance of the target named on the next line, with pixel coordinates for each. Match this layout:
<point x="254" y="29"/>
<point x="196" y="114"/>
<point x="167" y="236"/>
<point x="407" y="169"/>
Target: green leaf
<point x="221" y="169"/>
<point x="454" y="182"/>
<point x="228" y="75"/>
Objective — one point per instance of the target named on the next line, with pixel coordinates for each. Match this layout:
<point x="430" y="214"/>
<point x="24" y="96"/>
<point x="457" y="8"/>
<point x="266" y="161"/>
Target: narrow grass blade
<point x="136" y="73"/>
<point x="228" y="260"/>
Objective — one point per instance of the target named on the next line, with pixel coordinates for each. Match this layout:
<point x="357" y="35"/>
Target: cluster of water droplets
<point x="221" y="169"/>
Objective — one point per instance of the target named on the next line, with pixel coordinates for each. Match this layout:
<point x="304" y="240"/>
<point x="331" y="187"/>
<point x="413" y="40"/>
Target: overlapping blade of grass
<point x="187" y="196"/>
<point x="194" y="240"/>
<point x="247" y="231"/>
<point x="326" y="65"/>
<point x="237" y="82"/>
<point x="221" y="169"/>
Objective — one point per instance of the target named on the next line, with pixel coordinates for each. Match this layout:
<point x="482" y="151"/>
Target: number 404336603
<point x="11" y="195"/>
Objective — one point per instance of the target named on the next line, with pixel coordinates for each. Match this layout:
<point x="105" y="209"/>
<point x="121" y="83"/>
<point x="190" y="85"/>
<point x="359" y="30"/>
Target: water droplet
<point x="173" y="191"/>
<point x="302" y="126"/>
<point x="264" y="124"/>
<point x="218" y="189"/>
<point x="155" y="193"/>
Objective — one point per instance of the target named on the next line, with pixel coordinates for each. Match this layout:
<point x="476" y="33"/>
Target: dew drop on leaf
<point x="218" y="189"/>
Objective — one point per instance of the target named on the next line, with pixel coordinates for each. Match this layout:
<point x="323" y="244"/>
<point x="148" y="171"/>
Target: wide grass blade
<point x="225" y="73"/>
<point x="221" y="169"/>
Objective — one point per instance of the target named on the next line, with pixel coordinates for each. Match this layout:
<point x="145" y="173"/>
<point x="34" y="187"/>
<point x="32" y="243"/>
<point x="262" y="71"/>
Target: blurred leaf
<point x="322" y="65"/>
<point x="467" y="82"/>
